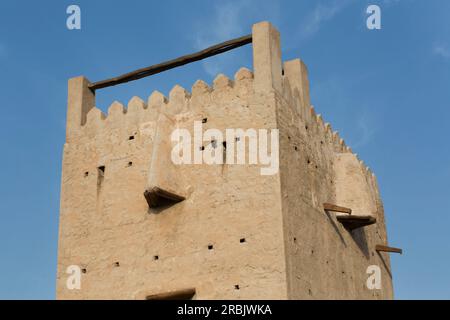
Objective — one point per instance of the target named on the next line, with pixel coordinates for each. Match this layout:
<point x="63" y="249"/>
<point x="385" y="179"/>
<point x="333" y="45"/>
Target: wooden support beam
<point x="355" y="222"/>
<point x="384" y="248"/>
<point x="333" y="207"/>
<point x="157" y="197"/>
<point x="157" y="68"/>
<point x="183" y="294"/>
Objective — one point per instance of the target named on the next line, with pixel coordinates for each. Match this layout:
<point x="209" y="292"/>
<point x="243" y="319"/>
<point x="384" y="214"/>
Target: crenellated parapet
<point x="288" y="80"/>
<point x="180" y="101"/>
<point x="296" y="93"/>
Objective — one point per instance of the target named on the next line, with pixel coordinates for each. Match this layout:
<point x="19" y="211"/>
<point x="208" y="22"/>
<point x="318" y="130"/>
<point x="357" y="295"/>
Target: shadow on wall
<point x="335" y="227"/>
<point x="359" y="236"/>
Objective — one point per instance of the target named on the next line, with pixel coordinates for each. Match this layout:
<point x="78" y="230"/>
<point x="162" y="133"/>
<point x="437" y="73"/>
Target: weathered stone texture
<point x="293" y="249"/>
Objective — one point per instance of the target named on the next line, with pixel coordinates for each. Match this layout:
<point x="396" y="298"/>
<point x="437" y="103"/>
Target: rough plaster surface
<point x="324" y="260"/>
<point x="292" y="249"/>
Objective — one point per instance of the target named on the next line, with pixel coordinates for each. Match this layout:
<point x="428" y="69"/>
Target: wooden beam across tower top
<point x="167" y="65"/>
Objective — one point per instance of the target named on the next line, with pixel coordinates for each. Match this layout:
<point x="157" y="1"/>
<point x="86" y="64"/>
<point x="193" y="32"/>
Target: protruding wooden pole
<point x="183" y="294"/>
<point x="354" y="222"/>
<point x="157" y="197"/>
<point x="167" y="65"/>
<point x="384" y="248"/>
<point x="333" y="207"/>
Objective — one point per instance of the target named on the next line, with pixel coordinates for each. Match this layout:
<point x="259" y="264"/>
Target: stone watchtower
<point x="142" y="227"/>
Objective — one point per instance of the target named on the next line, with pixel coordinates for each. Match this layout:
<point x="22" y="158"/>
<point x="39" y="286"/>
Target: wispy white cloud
<point x="322" y="13"/>
<point x="334" y="98"/>
<point x="442" y="50"/>
<point x="227" y="25"/>
<point x="365" y="128"/>
<point x="228" y="20"/>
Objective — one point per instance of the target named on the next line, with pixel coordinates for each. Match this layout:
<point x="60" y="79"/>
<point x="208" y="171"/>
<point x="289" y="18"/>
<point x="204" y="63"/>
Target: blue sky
<point x="386" y="92"/>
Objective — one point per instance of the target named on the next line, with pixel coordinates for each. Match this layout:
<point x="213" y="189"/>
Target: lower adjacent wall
<point x="323" y="259"/>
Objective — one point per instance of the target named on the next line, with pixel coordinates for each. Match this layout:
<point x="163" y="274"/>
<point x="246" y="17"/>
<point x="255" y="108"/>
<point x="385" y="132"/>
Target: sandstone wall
<point x="238" y="234"/>
<point x="106" y="219"/>
<point x="325" y="260"/>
